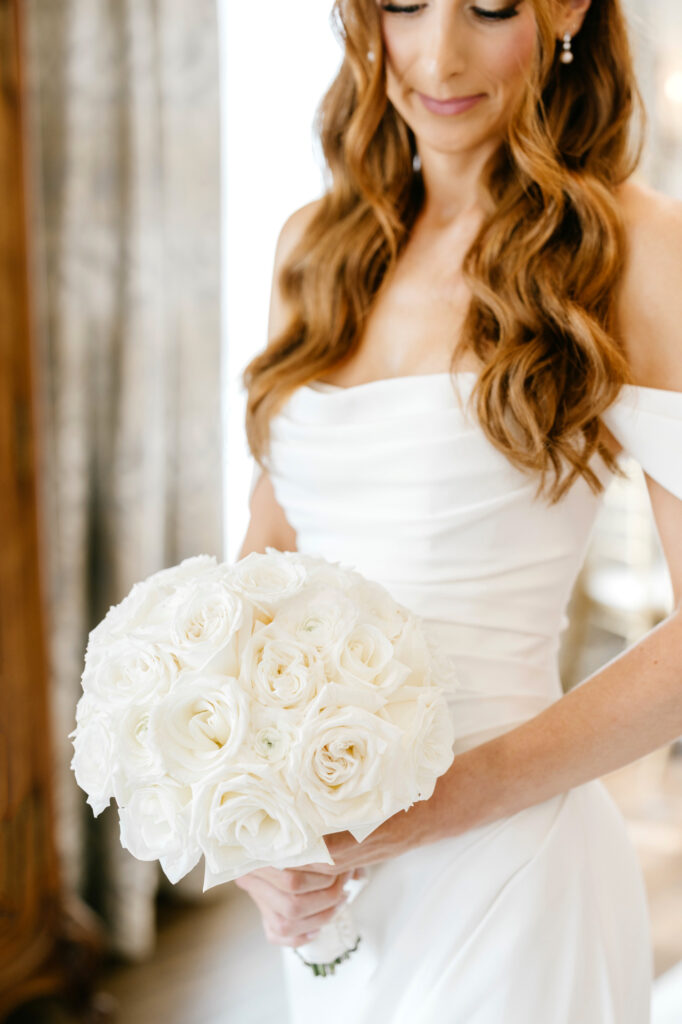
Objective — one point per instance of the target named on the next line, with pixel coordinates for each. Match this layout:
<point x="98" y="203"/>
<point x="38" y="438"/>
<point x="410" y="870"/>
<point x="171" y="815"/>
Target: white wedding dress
<point x="540" y="917"/>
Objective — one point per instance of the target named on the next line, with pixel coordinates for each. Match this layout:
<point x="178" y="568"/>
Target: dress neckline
<point x="320" y="385"/>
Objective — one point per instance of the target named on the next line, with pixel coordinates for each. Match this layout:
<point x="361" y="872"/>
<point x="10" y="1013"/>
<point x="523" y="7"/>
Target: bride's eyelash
<point x="506" y="12"/>
<point x="396" y="9"/>
<point x="502" y="15"/>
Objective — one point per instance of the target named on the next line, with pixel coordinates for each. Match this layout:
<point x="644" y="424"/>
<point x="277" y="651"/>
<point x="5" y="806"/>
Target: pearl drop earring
<point x="566" y="55"/>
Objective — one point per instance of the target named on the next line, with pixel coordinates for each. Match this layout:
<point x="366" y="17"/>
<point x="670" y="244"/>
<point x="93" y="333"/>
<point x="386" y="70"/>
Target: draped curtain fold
<point x="124" y="101"/>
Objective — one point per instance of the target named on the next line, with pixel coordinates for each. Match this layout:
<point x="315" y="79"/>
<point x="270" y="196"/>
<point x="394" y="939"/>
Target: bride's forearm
<point x="630" y="707"/>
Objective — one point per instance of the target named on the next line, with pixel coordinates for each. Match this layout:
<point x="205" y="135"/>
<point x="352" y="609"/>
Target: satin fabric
<point x="541" y="917"/>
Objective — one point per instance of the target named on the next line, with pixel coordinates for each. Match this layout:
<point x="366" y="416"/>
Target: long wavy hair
<point x="542" y="269"/>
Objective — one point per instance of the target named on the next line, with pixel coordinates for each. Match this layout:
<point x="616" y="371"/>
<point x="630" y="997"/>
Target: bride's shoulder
<point x="295" y="225"/>
<point x="289" y="236"/>
<point x="650" y="292"/>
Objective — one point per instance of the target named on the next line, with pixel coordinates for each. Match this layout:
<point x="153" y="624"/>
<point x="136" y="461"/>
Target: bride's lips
<point x="453" y="106"/>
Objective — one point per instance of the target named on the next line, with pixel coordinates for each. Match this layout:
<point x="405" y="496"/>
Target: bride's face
<point x="448" y="49"/>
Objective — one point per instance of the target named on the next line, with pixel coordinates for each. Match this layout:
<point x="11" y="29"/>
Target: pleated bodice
<point x="397" y="479"/>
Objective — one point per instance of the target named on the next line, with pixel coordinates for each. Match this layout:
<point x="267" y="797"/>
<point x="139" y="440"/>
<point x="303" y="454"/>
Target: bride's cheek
<point x="514" y="55"/>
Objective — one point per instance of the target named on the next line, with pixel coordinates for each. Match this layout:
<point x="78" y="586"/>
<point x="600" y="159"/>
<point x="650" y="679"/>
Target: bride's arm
<point x="268" y="526"/>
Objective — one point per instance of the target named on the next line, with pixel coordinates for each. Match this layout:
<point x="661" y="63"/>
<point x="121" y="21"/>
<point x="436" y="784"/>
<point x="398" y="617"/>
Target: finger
<point x="292" y="880"/>
<point x="283" y="932"/>
<point x="321" y="868"/>
<point x="297" y="906"/>
<point x="298" y="940"/>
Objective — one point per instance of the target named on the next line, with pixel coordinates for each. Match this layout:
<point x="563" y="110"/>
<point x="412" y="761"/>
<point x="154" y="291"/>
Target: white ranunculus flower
<point x="129" y="670"/>
<point x="280" y="671"/>
<point x="348" y="764"/>
<point x="320" y="617"/>
<point x="155" y="824"/>
<point x="94" y="759"/>
<point x="204" y="626"/>
<point x="267" y="579"/>
<point x="249" y="820"/>
<point x="199" y="726"/>
<point x="272" y="742"/>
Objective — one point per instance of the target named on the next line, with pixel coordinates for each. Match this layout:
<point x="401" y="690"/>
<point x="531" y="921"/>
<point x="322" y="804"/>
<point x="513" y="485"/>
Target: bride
<point x="480" y="313"/>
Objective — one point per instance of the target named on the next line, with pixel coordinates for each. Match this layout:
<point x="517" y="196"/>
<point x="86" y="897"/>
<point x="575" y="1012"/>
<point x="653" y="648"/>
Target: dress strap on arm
<point x="648" y="424"/>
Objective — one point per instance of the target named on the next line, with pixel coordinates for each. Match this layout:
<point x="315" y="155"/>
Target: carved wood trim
<point x="49" y="941"/>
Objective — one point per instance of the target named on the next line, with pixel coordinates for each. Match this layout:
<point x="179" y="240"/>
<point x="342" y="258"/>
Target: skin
<point x="448" y="49"/>
<point x="634" y="704"/>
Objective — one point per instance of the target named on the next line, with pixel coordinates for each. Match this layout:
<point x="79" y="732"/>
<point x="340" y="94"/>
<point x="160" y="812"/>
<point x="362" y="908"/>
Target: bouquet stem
<point x="322" y="970"/>
<point x="336" y="940"/>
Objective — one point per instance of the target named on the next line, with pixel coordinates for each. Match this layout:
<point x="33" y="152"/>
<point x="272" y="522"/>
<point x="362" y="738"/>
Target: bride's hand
<point x="294" y="903"/>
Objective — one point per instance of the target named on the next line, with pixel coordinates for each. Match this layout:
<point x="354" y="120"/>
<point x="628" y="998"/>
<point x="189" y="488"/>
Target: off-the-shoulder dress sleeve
<point x="648" y="424"/>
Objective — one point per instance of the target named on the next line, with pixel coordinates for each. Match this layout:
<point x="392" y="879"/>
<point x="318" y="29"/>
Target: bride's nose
<point x="446" y="51"/>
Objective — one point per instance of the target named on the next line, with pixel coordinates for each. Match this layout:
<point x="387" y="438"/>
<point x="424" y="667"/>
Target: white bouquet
<point x="244" y="711"/>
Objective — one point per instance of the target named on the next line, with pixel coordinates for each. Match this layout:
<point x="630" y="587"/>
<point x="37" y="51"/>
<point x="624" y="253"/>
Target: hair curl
<point x="552" y="357"/>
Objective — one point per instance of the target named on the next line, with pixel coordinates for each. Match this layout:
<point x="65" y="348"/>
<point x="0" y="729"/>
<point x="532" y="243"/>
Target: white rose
<point x="200" y="725"/>
<point x="94" y="759"/>
<point x="413" y="648"/>
<point x="204" y="626"/>
<point x="88" y="707"/>
<point x="365" y="656"/>
<point x="121" y="619"/>
<point x="190" y="569"/>
<point x="348" y="764"/>
<point x="155" y="824"/>
<point x="428" y="732"/>
<point x="267" y="579"/>
<point x="250" y="820"/>
<point x="323" y="573"/>
<point x="146" y="597"/>
<point x="138" y="756"/>
<point x="380" y="608"/>
<point x="279" y="671"/>
<point x="129" y="670"/>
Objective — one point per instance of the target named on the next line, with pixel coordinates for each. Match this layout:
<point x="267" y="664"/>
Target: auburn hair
<point x="542" y="269"/>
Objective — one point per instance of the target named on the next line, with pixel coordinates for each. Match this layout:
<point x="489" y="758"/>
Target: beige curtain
<point x="124" y="134"/>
